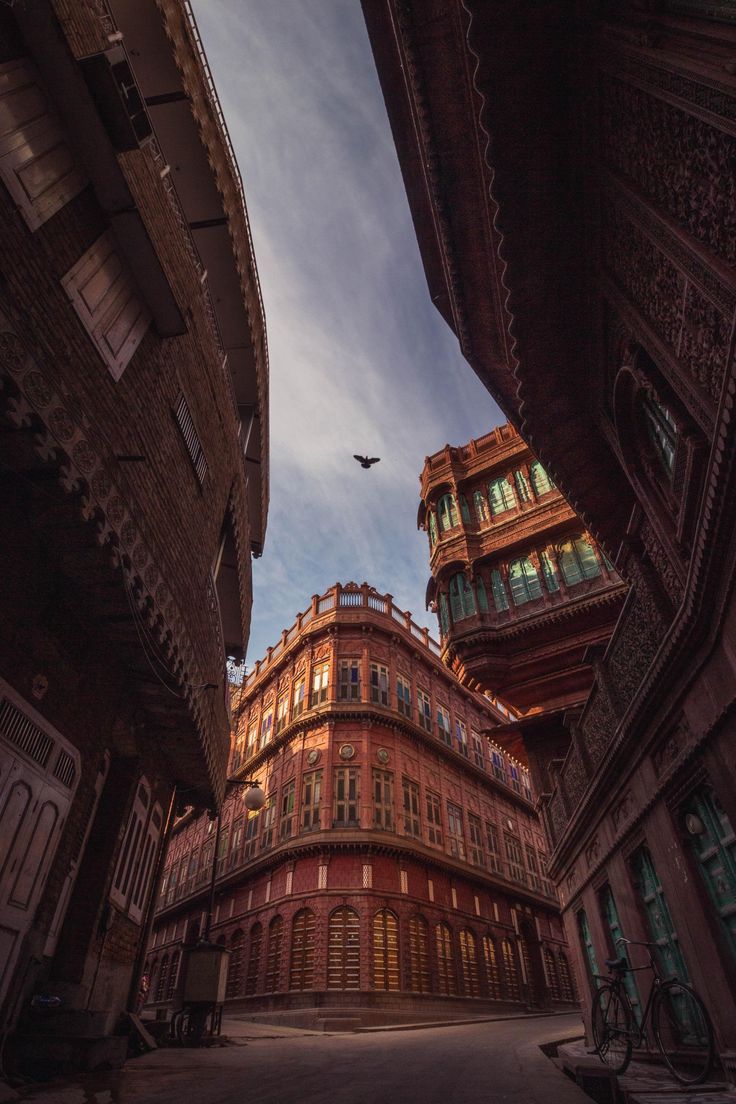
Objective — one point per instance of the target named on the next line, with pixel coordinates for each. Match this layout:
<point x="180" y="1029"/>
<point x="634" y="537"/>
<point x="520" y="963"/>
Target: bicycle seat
<point x="621" y="963"/>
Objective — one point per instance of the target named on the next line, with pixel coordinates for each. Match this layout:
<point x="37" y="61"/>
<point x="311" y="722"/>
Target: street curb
<point x="452" y="1023"/>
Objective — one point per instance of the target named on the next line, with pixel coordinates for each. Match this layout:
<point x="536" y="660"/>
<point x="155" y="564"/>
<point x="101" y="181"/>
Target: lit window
<point x="299" y="691"/>
<point x="250" y="746"/>
<point x="385" y="950"/>
<point x="524" y="581"/>
<point x="320" y="680"/>
<point x="266" y="727"/>
<point x="447" y="513"/>
<point x="462" y="602"/>
<point x="501" y="496"/>
<point x="443" y="724"/>
<point x="282" y="711"/>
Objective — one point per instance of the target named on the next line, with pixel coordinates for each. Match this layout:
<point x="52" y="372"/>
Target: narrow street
<point x="484" y="1063"/>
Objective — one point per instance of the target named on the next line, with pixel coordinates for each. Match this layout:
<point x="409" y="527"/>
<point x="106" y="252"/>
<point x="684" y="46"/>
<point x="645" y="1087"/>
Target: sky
<point x="360" y="360"/>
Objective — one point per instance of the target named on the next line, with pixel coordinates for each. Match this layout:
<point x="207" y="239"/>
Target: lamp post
<point x="254" y="800"/>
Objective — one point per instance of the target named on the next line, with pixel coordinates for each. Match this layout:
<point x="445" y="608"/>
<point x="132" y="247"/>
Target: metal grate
<point x="191" y="440"/>
<point x="20" y="730"/>
<point x="65" y="770"/>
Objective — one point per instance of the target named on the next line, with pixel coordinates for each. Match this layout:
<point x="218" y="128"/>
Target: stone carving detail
<point x="717" y="99"/>
<point x="669" y="748"/>
<point x="599" y="726"/>
<point x="682" y="316"/>
<point x="636" y="644"/>
<point x="592" y="851"/>
<point x="684" y="165"/>
<point x="575" y="777"/>
<point x="557" y="815"/>
<point x="661" y="562"/>
<point x="623" y="810"/>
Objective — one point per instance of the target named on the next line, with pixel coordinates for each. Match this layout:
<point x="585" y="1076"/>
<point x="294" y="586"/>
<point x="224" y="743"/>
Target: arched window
<point x="301" y="971"/>
<point x="385" y="950"/>
<point x="567" y="986"/>
<point x="163" y="979"/>
<point x="510" y="970"/>
<point x="444" y="611"/>
<point x="462" y="602"/>
<point x="447" y="513"/>
<point x="577" y="561"/>
<point x="553" y="979"/>
<point x="522" y="487"/>
<point x="254" y="959"/>
<point x="549" y="571"/>
<point x="274" y="953"/>
<point x="500" y="597"/>
<point x="464" y="511"/>
<point x="173" y="975"/>
<point x="661" y="429"/>
<point x="541" y="482"/>
<point x="493" y="974"/>
<point x="446" y="977"/>
<point x="432" y="529"/>
<point x="469" y="963"/>
<point x="419" y="981"/>
<point x="480" y="591"/>
<point x="481" y="507"/>
<point x="343" y="949"/>
<point x="501" y="496"/>
<point x="234" y="985"/>
<point x="524" y="581"/>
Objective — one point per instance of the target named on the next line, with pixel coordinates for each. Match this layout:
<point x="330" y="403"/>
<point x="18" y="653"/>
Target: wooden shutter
<point x="254" y="959"/>
<point x="469" y="961"/>
<point x="343" y="950"/>
<point x="385" y="950"/>
<point x="301" y="972"/>
<point x="419" y="980"/>
<point x="274" y="953"/>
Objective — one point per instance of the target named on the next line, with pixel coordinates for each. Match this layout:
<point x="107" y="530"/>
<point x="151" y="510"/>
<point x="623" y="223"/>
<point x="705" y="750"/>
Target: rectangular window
<point x="434" y="819"/>
<point x="250" y="836"/>
<point x="500" y="597"/>
<point x="501" y="496"/>
<point x="478" y="749"/>
<point x="299" y="688"/>
<point x="497" y="765"/>
<point x="190" y="436"/>
<point x="250" y="747"/>
<point x="515" y="778"/>
<point x="494" y="851"/>
<point x="475" y="832"/>
<point x="222" y="850"/>
<point x="288" y="802"/>
<point x="266" y="728"/>
<point x="383" y="799"/>
<point x="347" y="796"/>
<point x="349" y="681"/>
<point x="515" y="857"/>
<point x="424" y="710"/>
<point x="412" y="825"/>
<point x="237" y="843"/>
<point x="461" y="736"/>
<point x="455" y="836"/>
<point x="311" y="795"/>
<point x="135" y="863"/>
<point x="379" y="684"/>
<point x="282" y="712"/>
<point x="443" y="725"/>
<point x="268" y="820"/>
<point x="533" y="867"/>
<point x="403" y="696"/>
<point x="320" y="680"/>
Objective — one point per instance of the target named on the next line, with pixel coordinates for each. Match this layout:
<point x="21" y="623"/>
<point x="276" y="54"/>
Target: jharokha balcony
<point x="521" y="590"/>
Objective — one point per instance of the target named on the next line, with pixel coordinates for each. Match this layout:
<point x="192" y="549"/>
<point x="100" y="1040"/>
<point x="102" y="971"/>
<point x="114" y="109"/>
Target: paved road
<point x="486" y="1063"/>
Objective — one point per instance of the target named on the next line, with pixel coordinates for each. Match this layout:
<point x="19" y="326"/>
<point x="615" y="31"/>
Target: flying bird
<point x="365" y="461"/>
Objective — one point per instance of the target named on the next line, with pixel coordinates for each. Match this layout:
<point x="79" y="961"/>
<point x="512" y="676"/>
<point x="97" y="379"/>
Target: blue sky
<point x="360" y="359"/>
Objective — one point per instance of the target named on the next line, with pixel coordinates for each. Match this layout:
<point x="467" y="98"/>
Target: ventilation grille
<point x="20" y="730"/>
<point x="65" y="770"/>
<point x="191" y="440"/>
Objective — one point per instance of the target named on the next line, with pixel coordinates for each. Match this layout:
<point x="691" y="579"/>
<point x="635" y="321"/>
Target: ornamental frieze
<point x="683" y="164"/>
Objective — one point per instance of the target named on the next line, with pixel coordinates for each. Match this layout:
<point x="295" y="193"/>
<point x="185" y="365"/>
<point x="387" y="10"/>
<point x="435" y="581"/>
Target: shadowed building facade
<point x="134" y="414"/>
<point x="570" y="174"/>
<point x="398" y="867"/>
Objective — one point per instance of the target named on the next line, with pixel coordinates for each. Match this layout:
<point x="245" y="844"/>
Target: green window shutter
<point x="587" y="940"/>
<point x="661" y="929"/>
<point x="541" y="482"/>
<point x="498" y="495"/>
<point x="481" y="508"/>
<point x="713" y="843"/>
<point x="522" y="487"/>
<point x="550" y="575"/>
<point x="508" y="494"/>
<point x="500" y="598"/>
<point x="456" y="597"/>
<point x="464" y="511"/>
<point x="588" y="561"/>
<point x="524" y="581"/>
<point x="444" y="615"/>
<point x="614" y="926"/>
<point x="468" y="598"/>
<point x="569" y="564"/>
<point x="480" y="590"/>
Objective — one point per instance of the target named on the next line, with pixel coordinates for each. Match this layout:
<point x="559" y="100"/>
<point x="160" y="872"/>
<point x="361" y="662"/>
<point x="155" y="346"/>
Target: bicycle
<point x="679" y="1021"/>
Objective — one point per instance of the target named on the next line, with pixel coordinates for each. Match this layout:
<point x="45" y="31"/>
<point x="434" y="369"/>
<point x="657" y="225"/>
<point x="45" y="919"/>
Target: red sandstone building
<point x="570" y="175"/>
<point x="522" y="592"/>
<point x="398" y="866"/>
<point x="134" y="407"/>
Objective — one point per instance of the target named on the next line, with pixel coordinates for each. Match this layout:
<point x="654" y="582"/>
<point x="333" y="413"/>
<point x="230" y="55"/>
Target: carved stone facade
<point x="616" y="280"/>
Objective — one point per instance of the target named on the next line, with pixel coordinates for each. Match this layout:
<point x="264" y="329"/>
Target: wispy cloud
<point x="360" y="360"/>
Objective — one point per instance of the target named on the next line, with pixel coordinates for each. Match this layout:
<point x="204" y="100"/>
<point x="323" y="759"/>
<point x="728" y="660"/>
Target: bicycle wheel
<point x="683" y="1031"/>
<point x="611" y="1022"/>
